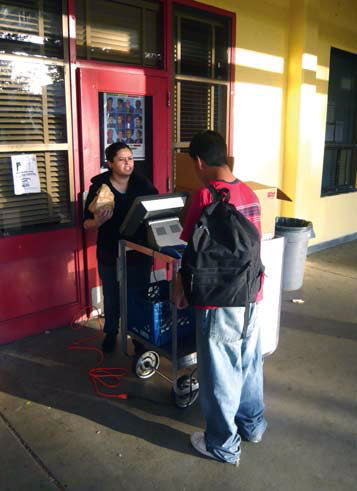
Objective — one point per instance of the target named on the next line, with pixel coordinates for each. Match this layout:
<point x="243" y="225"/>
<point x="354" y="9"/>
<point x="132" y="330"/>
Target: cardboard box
<point x="185" y="175"/>
<point x="187" y="181"/>
<point x="268" y="196"/>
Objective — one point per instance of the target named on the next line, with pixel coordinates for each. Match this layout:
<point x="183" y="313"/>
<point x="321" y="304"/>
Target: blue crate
<point x="149" y="314"/>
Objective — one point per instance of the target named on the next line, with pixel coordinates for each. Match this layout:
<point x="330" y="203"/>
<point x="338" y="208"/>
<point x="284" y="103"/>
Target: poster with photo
<point x="124" y="120"/>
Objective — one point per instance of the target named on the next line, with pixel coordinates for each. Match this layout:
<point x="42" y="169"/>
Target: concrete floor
<point x="56" y="434"/>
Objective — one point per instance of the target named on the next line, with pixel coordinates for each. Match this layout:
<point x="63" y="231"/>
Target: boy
<point x="229" y="368"/>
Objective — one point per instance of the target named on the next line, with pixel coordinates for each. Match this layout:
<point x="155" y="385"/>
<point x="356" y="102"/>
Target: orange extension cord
<point x="100" y="377"/>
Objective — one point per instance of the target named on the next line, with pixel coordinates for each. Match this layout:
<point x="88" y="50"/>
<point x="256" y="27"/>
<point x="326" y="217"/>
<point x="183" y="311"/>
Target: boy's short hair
<point x="111" y="151"/>
<point x="210" y="147"/>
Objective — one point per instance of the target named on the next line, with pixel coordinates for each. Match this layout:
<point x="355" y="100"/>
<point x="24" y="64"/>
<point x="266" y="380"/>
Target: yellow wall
<point x="280" y="100"/>
<point x="325" y="23"/>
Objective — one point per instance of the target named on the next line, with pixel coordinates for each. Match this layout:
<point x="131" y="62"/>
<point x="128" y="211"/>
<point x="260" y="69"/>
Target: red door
<point x="130" y="83"/>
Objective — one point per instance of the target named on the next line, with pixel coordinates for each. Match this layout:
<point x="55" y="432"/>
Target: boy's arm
<point x="193" y="215"/>
<point x="178" y="295"/>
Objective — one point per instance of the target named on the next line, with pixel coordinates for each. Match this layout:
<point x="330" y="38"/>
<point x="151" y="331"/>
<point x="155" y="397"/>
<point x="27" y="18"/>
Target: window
<point x="33" y="115"/>
<point x="201" y="74"/>
<point x="340" y="158"/>
<point x="120" y="32"/>
<point x="31" y="27"/>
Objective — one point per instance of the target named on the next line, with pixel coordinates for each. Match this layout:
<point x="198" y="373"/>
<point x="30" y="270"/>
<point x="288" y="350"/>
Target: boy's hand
<point x="103" y="215"/>
<point x="178" y="295"/>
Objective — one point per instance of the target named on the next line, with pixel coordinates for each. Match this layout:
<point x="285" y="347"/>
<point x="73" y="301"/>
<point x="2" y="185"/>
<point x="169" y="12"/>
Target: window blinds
<point x="33" y="27"/>
<point x="201" y="73"/>
<point x="33" y="117"/>
<point x="50" y="206"/>
<point x="121" y="32"/>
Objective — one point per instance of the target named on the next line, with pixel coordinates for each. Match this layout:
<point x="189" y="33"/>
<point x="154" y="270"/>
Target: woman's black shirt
<point x="108" y="233"/>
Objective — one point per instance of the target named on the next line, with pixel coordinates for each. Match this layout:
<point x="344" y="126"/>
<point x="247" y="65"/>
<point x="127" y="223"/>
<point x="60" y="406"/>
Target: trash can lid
<point x="292" y="224"/>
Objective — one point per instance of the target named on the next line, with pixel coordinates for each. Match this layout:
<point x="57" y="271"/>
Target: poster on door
<point x="124" y="121"/>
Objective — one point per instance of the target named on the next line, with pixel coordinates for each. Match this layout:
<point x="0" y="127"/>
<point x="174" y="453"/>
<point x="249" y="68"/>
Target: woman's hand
<point x="178" y="294"/>
<point x="102" y="215"/>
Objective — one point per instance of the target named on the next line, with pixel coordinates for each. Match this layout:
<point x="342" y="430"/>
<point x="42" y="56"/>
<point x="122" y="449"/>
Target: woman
<point x="126" y="185"/>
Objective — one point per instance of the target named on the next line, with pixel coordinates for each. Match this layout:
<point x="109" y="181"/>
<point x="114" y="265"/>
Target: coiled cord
<point x="110" y="378"/>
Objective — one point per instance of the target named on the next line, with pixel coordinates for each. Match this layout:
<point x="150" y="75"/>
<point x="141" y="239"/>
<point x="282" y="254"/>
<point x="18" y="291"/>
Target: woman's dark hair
<point x="111" y="151"/>
<point x="210" y="147"/>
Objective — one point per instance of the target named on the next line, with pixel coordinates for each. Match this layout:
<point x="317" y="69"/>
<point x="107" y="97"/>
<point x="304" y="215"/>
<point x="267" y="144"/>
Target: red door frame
<point x="128" y="81"/>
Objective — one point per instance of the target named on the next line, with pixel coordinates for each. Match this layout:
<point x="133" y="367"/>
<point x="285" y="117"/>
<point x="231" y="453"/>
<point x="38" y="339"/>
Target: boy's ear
<point x="199" y="163"/>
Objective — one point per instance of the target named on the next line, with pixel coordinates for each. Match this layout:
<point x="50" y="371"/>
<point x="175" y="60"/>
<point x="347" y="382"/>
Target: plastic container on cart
<point x="149" y="314"/>
<point x="297" y="234"/>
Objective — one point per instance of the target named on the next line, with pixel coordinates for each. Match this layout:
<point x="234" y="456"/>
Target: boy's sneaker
<point x="256" y="439"/>
<point x="109" y="342"/>
<point x="198" y="442"/>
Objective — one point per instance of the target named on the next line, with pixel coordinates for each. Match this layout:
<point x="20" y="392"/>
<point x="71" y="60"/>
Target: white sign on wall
<point x="25" y="174"/>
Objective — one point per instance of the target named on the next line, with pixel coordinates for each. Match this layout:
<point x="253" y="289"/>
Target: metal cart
<point x="146" y="362"/>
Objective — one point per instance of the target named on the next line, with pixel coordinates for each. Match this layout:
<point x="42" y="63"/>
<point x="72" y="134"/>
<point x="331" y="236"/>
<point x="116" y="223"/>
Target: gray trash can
<point x="297" y="234"/>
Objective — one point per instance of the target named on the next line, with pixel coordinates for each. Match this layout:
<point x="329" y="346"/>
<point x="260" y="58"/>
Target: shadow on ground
<point x="54" y="377"/>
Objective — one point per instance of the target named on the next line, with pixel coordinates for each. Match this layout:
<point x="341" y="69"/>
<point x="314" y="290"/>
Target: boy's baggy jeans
<point x="230" y="373"/>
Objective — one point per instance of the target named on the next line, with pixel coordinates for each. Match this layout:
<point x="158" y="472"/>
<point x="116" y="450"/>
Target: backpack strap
<point x="219" y="194"/>
<point x="246" y="320"/>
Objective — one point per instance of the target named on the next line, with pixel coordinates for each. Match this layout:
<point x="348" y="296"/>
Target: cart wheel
<point x="185" y="383"/>
<point x="147" y="364"/>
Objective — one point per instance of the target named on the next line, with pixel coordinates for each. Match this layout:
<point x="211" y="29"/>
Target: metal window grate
<point x="195" y="114"/>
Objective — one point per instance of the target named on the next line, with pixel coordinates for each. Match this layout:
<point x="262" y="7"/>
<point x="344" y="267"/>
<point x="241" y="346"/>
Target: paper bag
<point x="103" y="199"/>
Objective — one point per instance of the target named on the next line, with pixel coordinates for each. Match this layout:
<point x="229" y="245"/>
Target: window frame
<point x="177" y="78"/>
<point x="144" y="6"/>
<point x="46" y="147"/>
<point x="350" y="187"/>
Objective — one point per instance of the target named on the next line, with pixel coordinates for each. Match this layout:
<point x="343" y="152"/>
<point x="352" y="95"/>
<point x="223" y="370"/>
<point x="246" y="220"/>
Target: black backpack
<point x="221" y="264"/>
